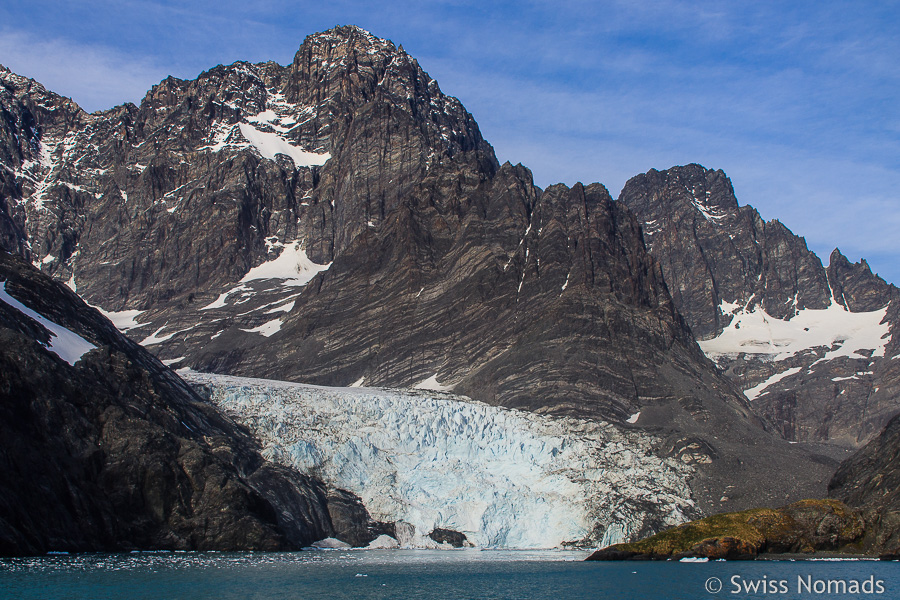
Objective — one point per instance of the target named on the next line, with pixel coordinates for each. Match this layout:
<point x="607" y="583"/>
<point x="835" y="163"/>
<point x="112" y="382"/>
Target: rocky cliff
<point x="870" y="480"/>
<point x="104" y="448"/>
<point x="810" y="346"/>
<point x="339" y="221"/>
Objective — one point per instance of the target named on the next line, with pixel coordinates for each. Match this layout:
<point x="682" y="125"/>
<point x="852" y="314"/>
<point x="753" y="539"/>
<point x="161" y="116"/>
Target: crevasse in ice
<point x="504" y="478"/>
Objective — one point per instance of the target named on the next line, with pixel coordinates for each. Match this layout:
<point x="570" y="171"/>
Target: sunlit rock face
<point x="812" y="347"/>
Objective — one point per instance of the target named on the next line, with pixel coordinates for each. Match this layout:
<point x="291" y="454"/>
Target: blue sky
<point x="799" y="102"/>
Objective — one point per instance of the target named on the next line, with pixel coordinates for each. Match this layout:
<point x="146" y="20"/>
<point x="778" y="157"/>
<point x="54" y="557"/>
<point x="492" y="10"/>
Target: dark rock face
<point x="712" y="250"/>
<point x="870" y="480"/>
<point x="115" y="452"/>
<point x="414" y="258"/>
<point x="441" y="263"/>
<point x="351" y="521"/>
<point x="448" y="536"/>
<point x="818" y="380"/>
<point x="855" y="286"/>
<point x="129" y="183"/>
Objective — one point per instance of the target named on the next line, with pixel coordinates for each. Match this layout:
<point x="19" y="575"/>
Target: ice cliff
<point x="504" y="478"/>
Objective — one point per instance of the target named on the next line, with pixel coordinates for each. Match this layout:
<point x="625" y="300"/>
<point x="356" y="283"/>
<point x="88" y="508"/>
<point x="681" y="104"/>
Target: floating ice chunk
<point x="633" y="418"/>
<point x="331" y="544"/>
<point x="383" y="541"/>
<point x="65" y="343"/>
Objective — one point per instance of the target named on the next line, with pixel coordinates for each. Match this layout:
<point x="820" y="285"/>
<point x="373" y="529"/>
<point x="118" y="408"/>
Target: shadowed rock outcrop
<point x="109" y="450"/>
<point x="870" y="480"/>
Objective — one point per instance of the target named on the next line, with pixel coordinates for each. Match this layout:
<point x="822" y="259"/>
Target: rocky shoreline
<point x="809" y="529"/>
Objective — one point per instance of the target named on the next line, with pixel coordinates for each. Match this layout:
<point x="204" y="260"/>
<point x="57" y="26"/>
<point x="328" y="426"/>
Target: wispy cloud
<point x="97" y="77"/>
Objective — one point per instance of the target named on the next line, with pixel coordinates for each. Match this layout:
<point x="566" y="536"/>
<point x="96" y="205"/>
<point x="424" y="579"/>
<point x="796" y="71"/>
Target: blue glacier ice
<point x="504" y="478"/>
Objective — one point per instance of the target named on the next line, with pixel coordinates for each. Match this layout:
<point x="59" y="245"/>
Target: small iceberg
<point x="331" y="544"/>
<point x="383" y="542"/>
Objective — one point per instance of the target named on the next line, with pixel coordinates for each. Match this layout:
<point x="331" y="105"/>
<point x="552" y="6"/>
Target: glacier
<point x="428" y="459"/>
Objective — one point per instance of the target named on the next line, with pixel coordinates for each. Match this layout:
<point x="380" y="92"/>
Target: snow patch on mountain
<point x="757" y="390"/>
<point x="292" y="265"/>
<point x="124" y="320"/>
<point x="268" y="131"/>
<point x="504" y="478"/>
<point x="154" y="338"/>
<point x="432" y="384"/>
<point x="701" y="204"/>
<point x="63" y="342"/>
<point x="292" y="268"/>
<point x="271" y="144"/>
<point x="219" y="302"/>
<point x="843" y="333"/>
<point x="267" y="329"/>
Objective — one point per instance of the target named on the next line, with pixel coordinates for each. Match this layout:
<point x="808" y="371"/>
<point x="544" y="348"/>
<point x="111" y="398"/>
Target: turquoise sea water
<point x="430" y="574"/>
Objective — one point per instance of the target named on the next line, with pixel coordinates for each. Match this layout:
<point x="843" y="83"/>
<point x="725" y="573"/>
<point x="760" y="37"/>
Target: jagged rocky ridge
<point x="341" y="220"/>
<point x="104" y="448"/>
<point x="812" y="347"/>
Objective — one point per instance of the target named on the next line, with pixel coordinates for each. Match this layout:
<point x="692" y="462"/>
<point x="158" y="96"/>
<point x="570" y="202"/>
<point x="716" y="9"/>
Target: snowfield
<point x="504" y="478"/>
<point x="832" y="333"/>
<point x="843" y="332"/>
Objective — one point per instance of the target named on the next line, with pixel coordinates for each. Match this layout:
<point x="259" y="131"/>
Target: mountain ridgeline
<point x="341" y="221"/>
<point x="813" y="347"/>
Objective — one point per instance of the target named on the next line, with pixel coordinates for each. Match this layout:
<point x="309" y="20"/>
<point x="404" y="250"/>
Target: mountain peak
<point x="350" y="37"/>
